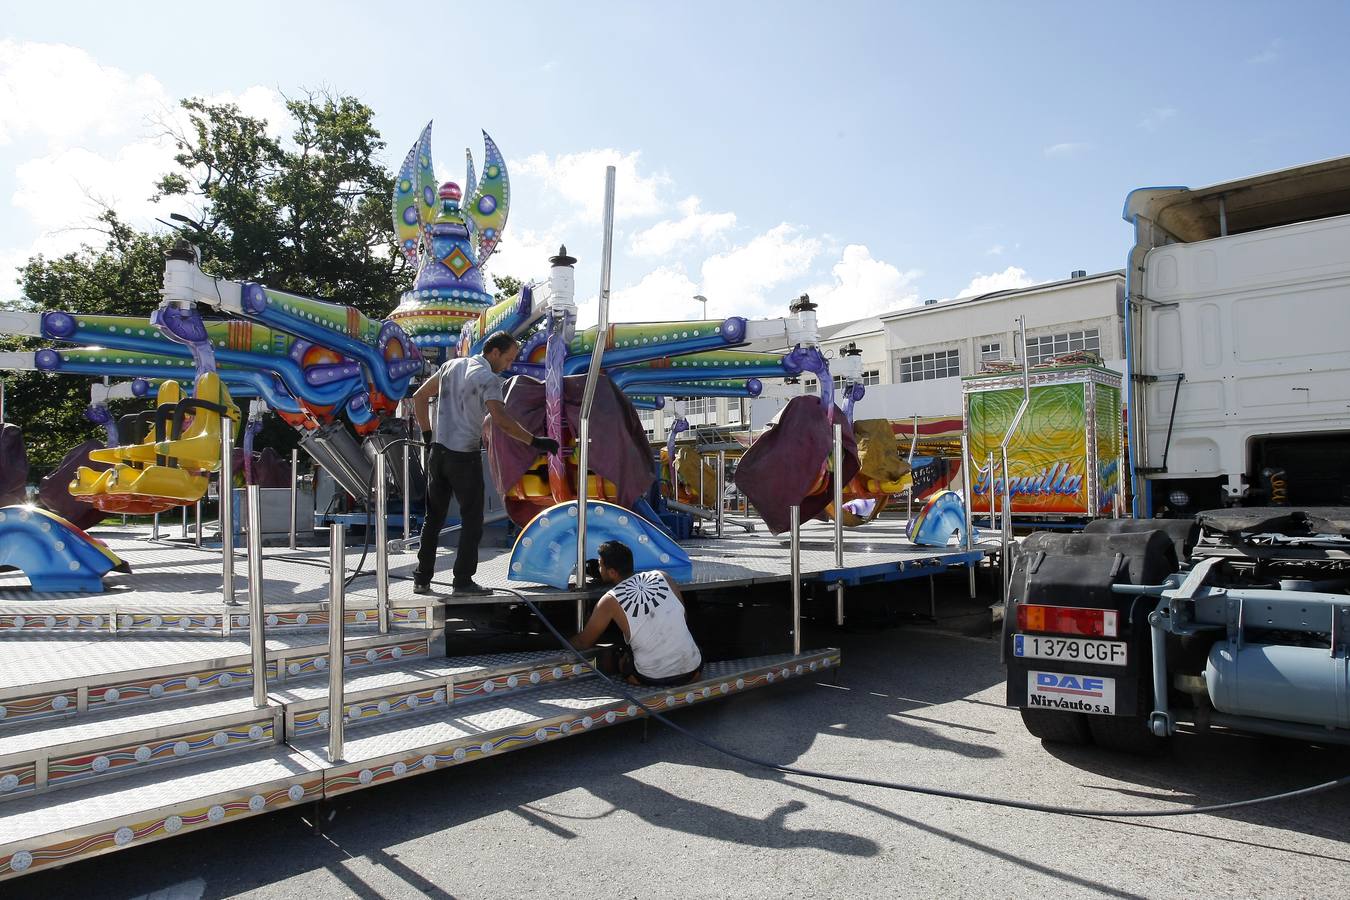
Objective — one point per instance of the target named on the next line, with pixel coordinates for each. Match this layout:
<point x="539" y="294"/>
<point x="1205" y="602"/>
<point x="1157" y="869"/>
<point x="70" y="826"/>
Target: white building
<point x="913" y="359"/>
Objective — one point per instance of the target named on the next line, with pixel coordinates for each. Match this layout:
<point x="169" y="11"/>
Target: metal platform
<point x="128" y="716"/>
<point x="104" y="810"/>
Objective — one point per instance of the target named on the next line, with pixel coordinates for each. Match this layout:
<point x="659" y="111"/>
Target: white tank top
<point x="661" y="642"/>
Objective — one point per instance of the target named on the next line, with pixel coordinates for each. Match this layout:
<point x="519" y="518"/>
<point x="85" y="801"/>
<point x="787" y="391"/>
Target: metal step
<point x="46" y="830"/>
<point x="110" y="743"/>
<point x="207" y="620"/>
<point x="396" y="690"/>
<point x="465" y="732"/>
<point x="56" y="676"/>
<point x="49" y="754"/>
<point x="96" y="817"/>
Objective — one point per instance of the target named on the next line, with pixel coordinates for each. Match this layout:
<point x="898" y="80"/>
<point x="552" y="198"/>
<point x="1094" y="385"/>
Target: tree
<point x="506" y="286"/>
<point x="307" y="215"/>
<point x="310" y="217"/>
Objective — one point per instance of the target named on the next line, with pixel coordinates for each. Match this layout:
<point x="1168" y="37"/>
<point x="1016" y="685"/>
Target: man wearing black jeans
<point x="467" y="390"/>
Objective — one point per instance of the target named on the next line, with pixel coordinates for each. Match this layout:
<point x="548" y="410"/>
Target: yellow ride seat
<point x="199" y="447"/>
<point x="157" y="481"/>
<point x="166" y="400"/>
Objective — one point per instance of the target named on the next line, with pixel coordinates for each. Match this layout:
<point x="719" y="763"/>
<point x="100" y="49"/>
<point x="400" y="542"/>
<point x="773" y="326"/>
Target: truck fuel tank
<point x="1276" y="681"/>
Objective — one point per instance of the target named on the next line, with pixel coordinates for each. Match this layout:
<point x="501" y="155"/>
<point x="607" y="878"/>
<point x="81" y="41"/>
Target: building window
<point x="734" y="409"/>
<point x="696" y="406"/>
<point x="928" y="366"/>
<point x="1048" y="346"/>
<point x="647" y="415"/>
<point x="991" y="352"/>
<point x="871" y="376"/>
<point x="809" y="386"/>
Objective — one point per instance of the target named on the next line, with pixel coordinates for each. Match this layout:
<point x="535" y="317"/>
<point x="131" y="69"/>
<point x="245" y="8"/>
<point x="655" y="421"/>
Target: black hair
<point x="501" y="341"/>
<point x="616" y="555"/>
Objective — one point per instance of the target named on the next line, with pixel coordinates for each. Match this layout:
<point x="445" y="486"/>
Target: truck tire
<point x="1057" y="727"/>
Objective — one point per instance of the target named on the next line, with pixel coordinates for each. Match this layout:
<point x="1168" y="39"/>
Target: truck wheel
<point x="1126" y="734"/>
<point x="1057" y="727"/>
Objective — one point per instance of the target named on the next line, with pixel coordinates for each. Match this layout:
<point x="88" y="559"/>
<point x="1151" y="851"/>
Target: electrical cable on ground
<point x="1344" y="781"/>
<point x="915" y="788"/>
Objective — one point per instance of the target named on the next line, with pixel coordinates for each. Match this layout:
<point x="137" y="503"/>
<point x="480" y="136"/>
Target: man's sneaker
<point x="419" y="588"/>
<point x="470" y="589"/>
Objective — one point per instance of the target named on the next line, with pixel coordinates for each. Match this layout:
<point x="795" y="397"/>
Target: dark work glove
<point x="546" y="444"/>
<point x="426" y="438"/>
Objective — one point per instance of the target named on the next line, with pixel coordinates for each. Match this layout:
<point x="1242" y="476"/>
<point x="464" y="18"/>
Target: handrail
<point x="588" y="395"/>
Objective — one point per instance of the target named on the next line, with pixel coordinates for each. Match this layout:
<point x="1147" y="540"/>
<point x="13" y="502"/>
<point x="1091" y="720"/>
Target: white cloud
<point x="672" y="234"/>
<point x="996" y="250"/>
<point x="1157" y="117"/>
<point x="105" y="143"/>
<point x="1067" y="149"/>
<point x="55" y="92"/>
<point x="863" y="286"/>
<point x="664" y="294"/>
<point x="579" y="180"/>
<point x="1010" y="278"/>
<point x="738" y="281"/>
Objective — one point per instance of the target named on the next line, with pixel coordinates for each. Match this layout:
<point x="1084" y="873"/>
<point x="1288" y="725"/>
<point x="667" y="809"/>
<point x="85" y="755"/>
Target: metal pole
<point x="588" y="395"/>
<point x="839" y="519"/>
<point x="295" y="492"/>
<point x="154" y="528"/>
<point x="1006" y="520"/>
<point x="198" y="531"/>
<point x="382" y="540"/>
<point x="721" y="486"/>
<point x="702" y="491"/>
<point x="185" y="523"/>
<point x="227" y="511"/>
<point x="407" y="483"/>
<point x="968" y="493"/>
<point x="257" y="641"/>
<point x="913" y="443"/>
<point x="337" y="614"/>
<point x="795" y="555"/>
<point x="2" y="402"/>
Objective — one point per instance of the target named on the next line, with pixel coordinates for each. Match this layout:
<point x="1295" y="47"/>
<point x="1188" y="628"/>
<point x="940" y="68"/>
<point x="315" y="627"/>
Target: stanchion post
<point x="795" y="555"/>
<point x="407" y="482"/>
<point x="227" y="513"/>
<point x="185" y="523"/>
<point x="154" y="528"/>
<point x="257" y="640"/>
<point x="968" y="495"/>
<point x="721" y="486"/>
<point x="295" y="493"/>
<point x="839" y="519"/>
<point x="382" y="540"/>
<point x="583" y="492"/>
<point x="337" y="615"/>
<point x="197" y="534"/>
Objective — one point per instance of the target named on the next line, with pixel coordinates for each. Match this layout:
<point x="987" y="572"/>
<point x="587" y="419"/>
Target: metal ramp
<point x="96" y="781"/>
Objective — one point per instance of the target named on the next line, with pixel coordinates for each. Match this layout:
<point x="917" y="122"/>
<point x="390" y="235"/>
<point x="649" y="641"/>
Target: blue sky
<point x="874" y="154"/>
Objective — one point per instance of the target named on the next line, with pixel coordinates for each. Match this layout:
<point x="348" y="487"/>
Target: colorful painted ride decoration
<point x="1065" y="456"/>
<point x="316" y="363"/>
<point x="54" y="554"/>
<point x="943" y="516"/>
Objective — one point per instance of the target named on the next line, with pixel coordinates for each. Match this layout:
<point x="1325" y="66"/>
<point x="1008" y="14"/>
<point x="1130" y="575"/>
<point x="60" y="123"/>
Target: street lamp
<point x="704" y="300"/>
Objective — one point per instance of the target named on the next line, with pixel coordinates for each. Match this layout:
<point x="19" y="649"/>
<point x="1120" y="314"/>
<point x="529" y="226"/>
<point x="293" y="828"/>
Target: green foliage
<point x="507" y="286"/>
<point x="307" y="215"/>
<point x="310" y="217"/>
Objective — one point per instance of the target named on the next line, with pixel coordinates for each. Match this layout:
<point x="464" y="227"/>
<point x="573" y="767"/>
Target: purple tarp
<point x="619" y="449"/>
<point x="54" y="490"/>
<point x="13" y="466"/>
<point x="785" y="461"/>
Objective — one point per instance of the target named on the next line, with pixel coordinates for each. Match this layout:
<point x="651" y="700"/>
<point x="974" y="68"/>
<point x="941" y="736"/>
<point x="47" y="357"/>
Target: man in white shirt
<point x="466" y="389"/>
<point x="650" y="613"/>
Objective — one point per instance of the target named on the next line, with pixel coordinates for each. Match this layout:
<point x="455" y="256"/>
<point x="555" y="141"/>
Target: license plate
<point x="1071" y="693"/>
<point x="1073" y="649"/>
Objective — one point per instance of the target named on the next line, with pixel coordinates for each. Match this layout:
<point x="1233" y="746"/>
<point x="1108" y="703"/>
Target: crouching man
<point x="659" y="650"/>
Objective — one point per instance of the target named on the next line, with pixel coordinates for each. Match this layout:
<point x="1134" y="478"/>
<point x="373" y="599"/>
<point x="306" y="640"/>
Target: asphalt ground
<point x="606" y="814"/>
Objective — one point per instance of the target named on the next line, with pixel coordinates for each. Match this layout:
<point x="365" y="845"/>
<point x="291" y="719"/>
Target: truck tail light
<point x="1068" y="620"/>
